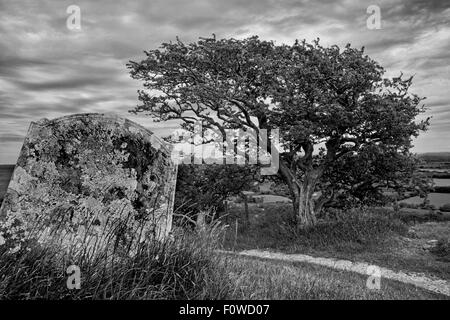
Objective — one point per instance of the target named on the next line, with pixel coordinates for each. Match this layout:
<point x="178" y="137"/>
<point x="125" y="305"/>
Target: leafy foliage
<point x="373" y="177"/>
<point x="205" y="187"/>
<point x="329" y="104"/>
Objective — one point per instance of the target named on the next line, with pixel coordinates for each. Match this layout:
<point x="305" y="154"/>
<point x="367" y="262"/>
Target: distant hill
<point x="435" y="156"/>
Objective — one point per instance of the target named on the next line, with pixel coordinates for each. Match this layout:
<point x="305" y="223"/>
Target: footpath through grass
<point x="254" y="278"/>
<point x="185" y="267"/>
<point x="374" y="236"/>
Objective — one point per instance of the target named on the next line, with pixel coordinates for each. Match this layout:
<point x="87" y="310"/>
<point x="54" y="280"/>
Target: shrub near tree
<point x="204" y="188"/>
<point x="373" y="177"/>
<point x="328" y="103"/>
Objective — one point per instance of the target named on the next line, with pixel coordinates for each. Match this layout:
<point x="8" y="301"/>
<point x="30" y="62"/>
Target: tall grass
<point x="359" y="227"/>
<point x="182" y="267"/>
<point x="264" y="279"/>
<point x="271" y="227"/>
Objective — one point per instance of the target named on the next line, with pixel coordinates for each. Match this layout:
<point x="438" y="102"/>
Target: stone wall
<point x="89" y="179"/>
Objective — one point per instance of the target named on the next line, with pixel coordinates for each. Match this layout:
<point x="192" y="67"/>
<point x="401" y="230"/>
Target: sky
<point x="48" y="70"/>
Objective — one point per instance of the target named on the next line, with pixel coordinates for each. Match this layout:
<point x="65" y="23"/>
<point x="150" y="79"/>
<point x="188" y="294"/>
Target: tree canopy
<point x="332" y="106"/>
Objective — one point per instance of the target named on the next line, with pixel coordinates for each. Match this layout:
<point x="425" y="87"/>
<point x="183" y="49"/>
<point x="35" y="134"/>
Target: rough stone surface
<point x="89" y="179"/>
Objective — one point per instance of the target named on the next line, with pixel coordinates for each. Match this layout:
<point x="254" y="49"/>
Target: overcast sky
<point x="47" y="70"/>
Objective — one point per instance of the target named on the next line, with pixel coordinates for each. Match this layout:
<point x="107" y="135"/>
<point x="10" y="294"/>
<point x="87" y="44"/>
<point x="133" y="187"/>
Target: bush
<point x="442" y="189"/>
<point x="419" y="216"/>
<point x="409" y="205"/>
<point x="445" y="207"/>
<point x="183" y="267"/>
<point x="442" y="249"/>
<point x="206" y="187"/>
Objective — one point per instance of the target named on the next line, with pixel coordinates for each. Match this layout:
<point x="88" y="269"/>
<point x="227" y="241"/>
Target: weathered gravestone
<point x="89" y="180"/>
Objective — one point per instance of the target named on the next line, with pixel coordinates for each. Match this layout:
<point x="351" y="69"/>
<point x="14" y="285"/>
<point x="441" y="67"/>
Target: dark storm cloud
<point x="10" y="65"/>
<point x="414" y="7"/>
<point x="47" y="70"/>
<point x="74" y="83"/>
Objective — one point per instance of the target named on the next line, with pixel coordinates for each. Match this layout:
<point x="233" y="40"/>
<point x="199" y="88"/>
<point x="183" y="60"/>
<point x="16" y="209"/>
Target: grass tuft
<point x="354" y="230"/>
<point x="183" y="267"/>
<point x="442" y="249"/>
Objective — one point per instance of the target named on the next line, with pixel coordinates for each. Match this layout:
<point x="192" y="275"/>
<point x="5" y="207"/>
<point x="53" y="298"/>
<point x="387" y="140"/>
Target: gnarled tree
<point x="327" y="102"/>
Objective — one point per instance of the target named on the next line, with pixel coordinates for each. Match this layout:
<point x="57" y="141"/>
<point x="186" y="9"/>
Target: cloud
<point x="11" y="138"/>
<point x="47" y="70"/>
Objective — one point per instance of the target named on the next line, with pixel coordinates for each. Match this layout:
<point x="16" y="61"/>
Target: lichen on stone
<point x="89" y="179"/>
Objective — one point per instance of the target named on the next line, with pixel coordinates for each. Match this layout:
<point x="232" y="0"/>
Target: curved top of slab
<point x="156" y="141"/>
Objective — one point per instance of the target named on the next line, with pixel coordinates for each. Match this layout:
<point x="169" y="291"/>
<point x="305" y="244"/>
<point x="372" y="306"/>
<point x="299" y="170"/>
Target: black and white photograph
<point x="224" y="155"/>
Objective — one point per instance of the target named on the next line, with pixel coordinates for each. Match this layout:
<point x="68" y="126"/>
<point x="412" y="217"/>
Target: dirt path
<point x="417" y="279"/>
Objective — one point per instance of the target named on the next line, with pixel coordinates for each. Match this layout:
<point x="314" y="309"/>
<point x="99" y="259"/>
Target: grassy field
<point x="187" y="267"/>
<point x="436" y="199"/>
<point x="387" y="243"/>
<point x="377" y="239"/>
<point x="259" y="279"/>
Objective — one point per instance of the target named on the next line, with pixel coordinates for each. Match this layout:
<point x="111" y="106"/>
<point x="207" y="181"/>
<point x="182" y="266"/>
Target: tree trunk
<point x="302" y="195"/>
<point x="304" y="205"/>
